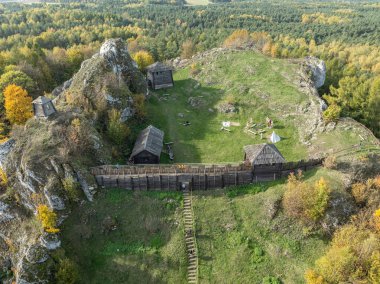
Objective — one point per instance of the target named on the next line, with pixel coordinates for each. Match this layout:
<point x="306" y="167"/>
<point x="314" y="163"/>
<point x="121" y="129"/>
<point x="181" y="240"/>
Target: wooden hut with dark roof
<point x="263" y="154"/>
<point x="148" y="146"/>
<point x="159" y="76"/>
<point x="43" y="107"/>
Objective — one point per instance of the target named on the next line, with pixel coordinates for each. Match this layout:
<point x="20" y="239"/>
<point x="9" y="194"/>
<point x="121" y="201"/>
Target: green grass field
<point x="240" y="241"/>
<point x="242" y="234"/>
<point x="146" y="247"/>
<point x="265" y="90"/>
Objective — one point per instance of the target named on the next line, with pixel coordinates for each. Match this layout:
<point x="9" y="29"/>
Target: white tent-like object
<point x="274" y="138"/>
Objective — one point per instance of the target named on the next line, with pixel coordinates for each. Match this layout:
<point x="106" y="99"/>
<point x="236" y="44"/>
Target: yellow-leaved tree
<point x="143" y="59"/>
<point x="18" y="104"/>
<point x="48" y="219"/>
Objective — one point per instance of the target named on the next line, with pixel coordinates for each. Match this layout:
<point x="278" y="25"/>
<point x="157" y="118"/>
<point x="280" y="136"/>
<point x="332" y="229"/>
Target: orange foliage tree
<point x="18" y="104"/>
<point x="237" y="38"/>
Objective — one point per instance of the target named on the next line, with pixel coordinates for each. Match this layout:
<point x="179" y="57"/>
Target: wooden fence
<point x="194" y="176"/>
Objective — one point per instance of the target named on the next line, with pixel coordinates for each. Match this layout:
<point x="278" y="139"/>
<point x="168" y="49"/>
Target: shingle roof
<point x="263" y="154"/>
<point x="41" y="100"/>
<point x="158" y="66"/>
<point x="150" y="139"/>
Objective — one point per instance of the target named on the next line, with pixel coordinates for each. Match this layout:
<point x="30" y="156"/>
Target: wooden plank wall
<point x="199" y="177"/>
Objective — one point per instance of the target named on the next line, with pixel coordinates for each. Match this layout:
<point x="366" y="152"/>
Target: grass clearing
<point x="146" y="247"/>
<point x="239" y="239"/>
<point x="258" y="87"/>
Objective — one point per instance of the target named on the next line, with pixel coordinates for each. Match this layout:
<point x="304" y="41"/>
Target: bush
<point x="330" y="162"/>
<point x="117" y="131"/>
<point x="72" y="188"/>
<point x="139" y="106"/>
<point x="359" y="192"/>
<point x="67" y="272"/>
<point x="48" y="219"/>
<point x="304" y="201"/>
<point x="332" y="113"/>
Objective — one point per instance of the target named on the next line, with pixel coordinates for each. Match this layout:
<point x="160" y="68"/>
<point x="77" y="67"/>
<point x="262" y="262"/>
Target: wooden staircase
<point x="191" y="246"/>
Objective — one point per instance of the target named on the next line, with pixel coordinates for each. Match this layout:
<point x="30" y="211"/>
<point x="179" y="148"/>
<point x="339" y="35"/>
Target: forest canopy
<point x="43" y="44"/>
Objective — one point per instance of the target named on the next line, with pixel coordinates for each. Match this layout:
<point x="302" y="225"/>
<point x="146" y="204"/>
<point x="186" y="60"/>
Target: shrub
<point x="332" y="113"/>
<point x="359" y="192"/>
<point x="3" y="178"/>
<point x="376" y="219"/>
<point x="330" y="162"/>
<point x="117" y="131"/>
<point x="72" y="188"/>
<point x="312" y="277"/>
<point x="271" y="280"/>
<point x="79" y="136"/>
<point x="67" y="272"/>
<point x="308" y="202"/>
<point x="194" y="69"/>
<point x="139" y="106"/>
<point x="48" y="219"/>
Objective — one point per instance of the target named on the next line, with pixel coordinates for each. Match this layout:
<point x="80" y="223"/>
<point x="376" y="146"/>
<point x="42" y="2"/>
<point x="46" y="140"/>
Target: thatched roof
<point x="150" y="139"/>
<point x="41" y="100"/>
<point x="158" y="66"/>
<point x="263" y="154"/>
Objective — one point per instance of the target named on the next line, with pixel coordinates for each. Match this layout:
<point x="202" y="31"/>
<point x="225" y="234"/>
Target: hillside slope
<point x="46" y="153"/>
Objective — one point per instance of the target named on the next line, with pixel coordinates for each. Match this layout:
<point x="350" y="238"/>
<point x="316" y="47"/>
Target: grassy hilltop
<point x="258" y="87"/>
<point x="243" y="235"/>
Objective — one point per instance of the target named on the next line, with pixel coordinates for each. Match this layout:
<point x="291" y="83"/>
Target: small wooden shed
<point x="263" y="154"/>
<point x="148" y="146"/>
<point x="159" y="76"/>
<point x="43" y="107"/>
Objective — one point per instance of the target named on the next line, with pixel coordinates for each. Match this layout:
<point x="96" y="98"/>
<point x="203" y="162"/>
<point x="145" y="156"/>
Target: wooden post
<point x="132" y="185"/>
<point x="222" y="180"/>
<point x="176" y="182"/>
<point x="160" y="179"/>
<point x="206" y="181"/>
<point x="147" y="182"/>
<point x="236" y="178"/>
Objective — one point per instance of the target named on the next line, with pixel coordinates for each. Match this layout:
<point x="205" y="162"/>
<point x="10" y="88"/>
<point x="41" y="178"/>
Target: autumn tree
<point x="188" y="49"/>
<point x="48" y="219"/>
<point x="237" y="39"/>
<point x="305" y="201"/>
<point x="143" y="59"/>
<point x="18" y="105"/>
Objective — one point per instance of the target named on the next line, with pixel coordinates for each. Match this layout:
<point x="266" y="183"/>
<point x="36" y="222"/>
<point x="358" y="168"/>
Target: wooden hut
<point x="43" y="107"/>
<point x="159" y="76"/>
<point x="148" y="146"/>
<point x="263" y="154"/>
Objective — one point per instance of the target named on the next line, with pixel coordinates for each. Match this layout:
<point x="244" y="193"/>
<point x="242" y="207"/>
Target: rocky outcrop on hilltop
<point x="317" y="68"/>
<point x="110" y="77"/>
<point x="43" y="154"/>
